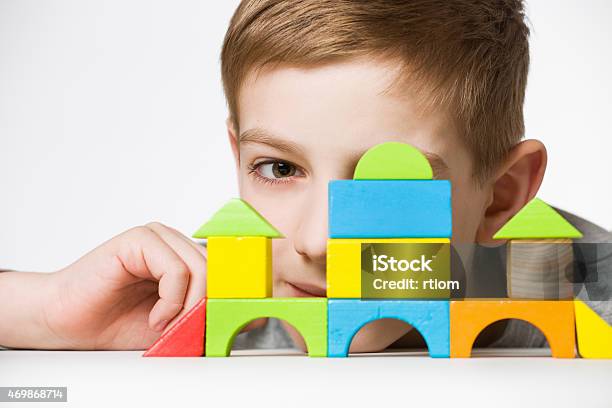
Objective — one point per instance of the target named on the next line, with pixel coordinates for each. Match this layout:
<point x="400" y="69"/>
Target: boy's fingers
<point x="200" y="248"/>
<point x="148" y="256"/>
<point x="193" y="258"/>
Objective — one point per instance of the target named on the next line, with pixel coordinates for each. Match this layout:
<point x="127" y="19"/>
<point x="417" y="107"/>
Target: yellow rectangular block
<point x="593" y="332"/>
<point x="344" y="262"/>
<point x="239" y="267"/>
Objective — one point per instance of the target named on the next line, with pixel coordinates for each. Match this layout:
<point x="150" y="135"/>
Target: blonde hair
<point x="471" y="56"/>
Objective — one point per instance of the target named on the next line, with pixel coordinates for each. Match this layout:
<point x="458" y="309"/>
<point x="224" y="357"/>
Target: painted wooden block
<point x="594" y="333"/>
<point x="185" y="338"/>
<point x="237" y="218"/>
<point x="344" y="263"/>
<point x="390" y="209"/>
<point x="555" y="318"/>
<point x="429" y="317"/>
<point x="393" y="161"/>
<point x="239" y="267"/>
<point x="226" y="317"/>
<point x="537" y="220"/>
<point x="540" y="269"/>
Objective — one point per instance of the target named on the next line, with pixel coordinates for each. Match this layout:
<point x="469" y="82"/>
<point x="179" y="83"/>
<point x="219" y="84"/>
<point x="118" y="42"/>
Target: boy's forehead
<point x="344" y="90"/>
<point x="348" y="106"/>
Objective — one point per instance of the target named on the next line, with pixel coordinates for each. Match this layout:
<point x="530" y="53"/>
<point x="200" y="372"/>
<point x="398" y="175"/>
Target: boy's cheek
<point x="278" y="205"/>
<point x="280" y="249"/>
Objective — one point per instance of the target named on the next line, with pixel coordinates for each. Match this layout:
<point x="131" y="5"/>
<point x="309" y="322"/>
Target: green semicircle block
<point x="237" y="219"/>
<point x="537" y="220"/>
<point x="393" y="161"/>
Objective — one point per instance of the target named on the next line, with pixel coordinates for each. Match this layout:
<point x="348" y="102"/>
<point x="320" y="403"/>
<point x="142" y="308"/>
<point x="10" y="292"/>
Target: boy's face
<point x="302" y="127"/>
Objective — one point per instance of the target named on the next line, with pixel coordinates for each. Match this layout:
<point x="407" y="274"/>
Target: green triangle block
<point x="537" y="220"/>
<point x="237" y="219"/>
<point x="393" y="161"/>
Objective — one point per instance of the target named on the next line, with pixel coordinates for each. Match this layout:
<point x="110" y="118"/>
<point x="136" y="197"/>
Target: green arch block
<point x="226" y="317"/>
<point x="237" y="219"/>
<point x="537" y="220"/>
<point x="393" y="161"/>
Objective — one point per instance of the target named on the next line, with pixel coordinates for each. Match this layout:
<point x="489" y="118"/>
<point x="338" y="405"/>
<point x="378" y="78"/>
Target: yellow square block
<point x="239" y="267"/>
<point x="344" y="263"/>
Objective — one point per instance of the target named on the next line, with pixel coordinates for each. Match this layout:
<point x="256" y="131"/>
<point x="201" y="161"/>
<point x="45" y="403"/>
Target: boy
<point x="311" y="85"/>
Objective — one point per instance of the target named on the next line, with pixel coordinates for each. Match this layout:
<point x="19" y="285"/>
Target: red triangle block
<point x="185" y="338"/>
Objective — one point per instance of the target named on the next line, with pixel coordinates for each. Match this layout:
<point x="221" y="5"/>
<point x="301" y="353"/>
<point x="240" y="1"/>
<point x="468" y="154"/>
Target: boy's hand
<point x="124" y="293"/>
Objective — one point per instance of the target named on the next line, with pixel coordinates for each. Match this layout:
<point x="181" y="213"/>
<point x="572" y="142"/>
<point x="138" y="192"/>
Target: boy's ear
<point x="515" y="183"/>
<point x="233" y="139"/>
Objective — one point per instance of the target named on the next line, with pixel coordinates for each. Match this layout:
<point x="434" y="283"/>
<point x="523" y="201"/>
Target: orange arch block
<point x="555" y="318"/>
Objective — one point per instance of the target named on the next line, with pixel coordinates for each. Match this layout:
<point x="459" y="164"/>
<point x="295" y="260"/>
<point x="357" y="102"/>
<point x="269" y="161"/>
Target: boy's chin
<point x="287" y="289"/>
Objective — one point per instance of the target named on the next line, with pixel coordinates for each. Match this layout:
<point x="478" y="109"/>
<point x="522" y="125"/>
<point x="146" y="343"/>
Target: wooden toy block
<point x="239" y="267"/>
<point x="555" y="318"/>
<point x="344" y="263"/>
<point x="237" y="219"/>
<point x="390" y="209"/>
<point x="594" y="333"/>
<point x="393" y="161"/>
<point x="429" y="317"/>
<point x="540" y="269"/>
<point x="185" y="338"/>
<point x="226" y="317"/>
<point x="537" y="220"/>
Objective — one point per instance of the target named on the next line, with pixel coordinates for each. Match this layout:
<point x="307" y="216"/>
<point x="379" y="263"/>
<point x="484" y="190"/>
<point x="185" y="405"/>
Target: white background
<point x="112" y="115"/>
<point x="93" y="380"/>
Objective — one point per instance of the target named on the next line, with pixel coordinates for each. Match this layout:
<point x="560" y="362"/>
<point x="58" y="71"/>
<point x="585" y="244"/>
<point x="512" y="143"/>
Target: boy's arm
<point x="21" y="306"/>
<point x="121" y="295"/>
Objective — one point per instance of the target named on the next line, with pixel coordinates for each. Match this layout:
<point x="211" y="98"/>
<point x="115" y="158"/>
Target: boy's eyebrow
<point x="438" y="165"/>
<point x="258" y="135"/>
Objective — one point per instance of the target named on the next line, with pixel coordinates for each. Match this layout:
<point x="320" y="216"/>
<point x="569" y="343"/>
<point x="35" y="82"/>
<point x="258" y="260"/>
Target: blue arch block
<point x="430" y="317"/>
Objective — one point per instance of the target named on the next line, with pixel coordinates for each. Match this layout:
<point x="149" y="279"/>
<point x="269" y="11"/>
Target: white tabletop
<point x="101" y="379"/>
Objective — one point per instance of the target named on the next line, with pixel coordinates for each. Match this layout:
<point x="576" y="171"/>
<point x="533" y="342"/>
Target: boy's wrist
<point x="23" y="299"/>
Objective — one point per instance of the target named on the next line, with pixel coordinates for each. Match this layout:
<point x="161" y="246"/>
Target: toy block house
<point x="389" y="231"/>
<point x="239" y="282"/>
<point x="239" y="261"/>
<point x="538" y="232"/>
<point x="539" y="253"/>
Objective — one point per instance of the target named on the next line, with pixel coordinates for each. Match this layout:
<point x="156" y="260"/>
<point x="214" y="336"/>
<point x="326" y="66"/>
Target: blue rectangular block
<point x="390" y="209"/>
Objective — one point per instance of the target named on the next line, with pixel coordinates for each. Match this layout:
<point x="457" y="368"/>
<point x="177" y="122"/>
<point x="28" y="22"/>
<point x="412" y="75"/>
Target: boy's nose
<point x="311" y="237"/>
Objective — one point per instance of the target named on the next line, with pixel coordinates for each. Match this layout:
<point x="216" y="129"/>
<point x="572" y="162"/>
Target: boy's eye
<point x="277" y="170"/>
